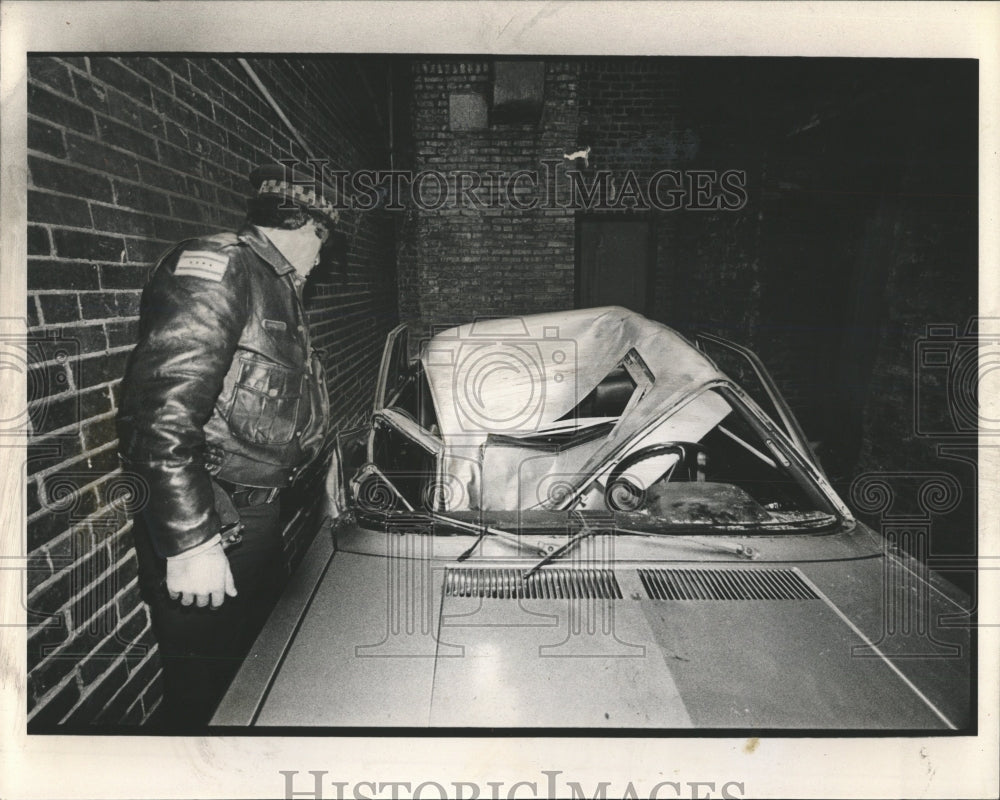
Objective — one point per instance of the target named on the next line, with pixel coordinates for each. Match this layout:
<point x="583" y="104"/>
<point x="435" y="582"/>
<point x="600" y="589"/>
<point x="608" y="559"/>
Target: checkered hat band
<point x="299" y="194"/>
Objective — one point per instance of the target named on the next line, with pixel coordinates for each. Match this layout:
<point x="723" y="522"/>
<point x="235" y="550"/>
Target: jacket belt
<point x="246" y="496"/>
<point x="244" y="472"/>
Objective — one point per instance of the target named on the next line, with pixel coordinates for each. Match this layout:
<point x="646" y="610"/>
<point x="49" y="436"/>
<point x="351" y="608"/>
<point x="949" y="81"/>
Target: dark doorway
<point x="614" y="260"/>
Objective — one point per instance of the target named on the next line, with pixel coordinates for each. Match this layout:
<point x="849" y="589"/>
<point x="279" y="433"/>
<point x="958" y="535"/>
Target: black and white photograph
<point x="467" y="388"/>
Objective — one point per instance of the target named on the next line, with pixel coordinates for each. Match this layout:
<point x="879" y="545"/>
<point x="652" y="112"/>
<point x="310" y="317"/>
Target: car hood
<point x="411" y="641"/>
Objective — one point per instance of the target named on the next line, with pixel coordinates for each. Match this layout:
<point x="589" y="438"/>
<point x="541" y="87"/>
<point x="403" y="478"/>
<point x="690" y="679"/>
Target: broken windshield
<point x="711" y="462"/>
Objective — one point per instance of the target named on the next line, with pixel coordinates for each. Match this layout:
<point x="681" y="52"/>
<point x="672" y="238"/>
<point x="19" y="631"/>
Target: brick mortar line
<point x="52" y="362"/>
<point x="58" y="539"/>
<point x="107" y="541"/>
<point x="74" y="428"/>
<point x="72" y="462"/>
<point x="66" y="430"/>
<point x="43" y="701"/>
<point x="96" y="137"/>
<point x="99" y="263"/>
<point x="86" y="692"/>
<point x="90" y="76"/>
<point x="75" y="325"/>
<point x="80" y="323"/>
<point x="67" y="292"/>
<point x="111" y="177"/>
<point x="132" y="182"/>
<point x="61" y="652"/>
<point x="84" y="356"/>
<point x="74" y="676"/>
<point x="48" y="327"/>
<point x="137" y="701"/>
<point x="77" y="627"/>
<point x="154" y="707"/>
<point x="124" y="685"/>
<point x="244" y="84"/>
<point x="133" y="154"/>
<point x="62" y="571"/>
<point x="50" y="226"/>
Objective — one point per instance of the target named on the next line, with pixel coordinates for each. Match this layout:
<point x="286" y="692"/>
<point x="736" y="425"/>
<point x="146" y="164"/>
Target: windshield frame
<point x="799" y="463"/>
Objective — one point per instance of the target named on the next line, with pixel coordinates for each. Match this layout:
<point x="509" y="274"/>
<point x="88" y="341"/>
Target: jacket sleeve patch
<point x="202" y="264"/>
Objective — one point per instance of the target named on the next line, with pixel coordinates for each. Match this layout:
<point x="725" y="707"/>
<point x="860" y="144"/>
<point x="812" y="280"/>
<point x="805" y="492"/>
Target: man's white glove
<point x="201" y="575"/>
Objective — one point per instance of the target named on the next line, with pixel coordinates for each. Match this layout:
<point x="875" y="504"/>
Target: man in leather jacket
<point x="223" y="403"/>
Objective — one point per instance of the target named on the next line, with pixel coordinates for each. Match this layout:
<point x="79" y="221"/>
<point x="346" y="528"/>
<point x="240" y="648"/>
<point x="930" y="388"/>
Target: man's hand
<point x="201" y="576"/>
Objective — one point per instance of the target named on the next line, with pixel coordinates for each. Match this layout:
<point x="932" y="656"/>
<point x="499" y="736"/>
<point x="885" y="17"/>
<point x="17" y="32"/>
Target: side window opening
<point x="402" y="383"/>
<point x="747" y="370"/>
<point x="404" y="442"/>
<point x="618" y="392"/>
<point x="414" y="399"/>
<point x="403" y="461"/>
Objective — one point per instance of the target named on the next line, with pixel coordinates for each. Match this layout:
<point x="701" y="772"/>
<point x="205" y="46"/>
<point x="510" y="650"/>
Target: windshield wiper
<point x="741" y="550"/>
<point x="573" y="540"/>
<point x="484" y="531"/>
<point x="466" y="527"/>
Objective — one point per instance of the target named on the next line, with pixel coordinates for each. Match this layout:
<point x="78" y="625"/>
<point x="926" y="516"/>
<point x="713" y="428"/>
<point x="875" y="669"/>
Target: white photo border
<point x="233" y="766"/>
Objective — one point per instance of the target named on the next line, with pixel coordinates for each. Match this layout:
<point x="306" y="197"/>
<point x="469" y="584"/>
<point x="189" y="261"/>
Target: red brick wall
<point x="125" y="156"/>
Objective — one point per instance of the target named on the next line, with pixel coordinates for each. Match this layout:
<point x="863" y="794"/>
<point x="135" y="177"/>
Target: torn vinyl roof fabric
<point x="520" y="376"/>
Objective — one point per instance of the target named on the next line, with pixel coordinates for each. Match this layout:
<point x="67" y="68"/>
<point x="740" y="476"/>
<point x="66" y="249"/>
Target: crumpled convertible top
<point x="518" y="376"/>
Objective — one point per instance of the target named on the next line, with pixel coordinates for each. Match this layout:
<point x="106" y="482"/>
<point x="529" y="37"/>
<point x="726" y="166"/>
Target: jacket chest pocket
<point x="266" y="400"/>
<point x="281" y="341"/>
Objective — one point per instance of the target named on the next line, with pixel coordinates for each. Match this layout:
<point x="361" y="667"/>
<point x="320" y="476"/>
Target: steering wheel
<point x="623" y="495"/>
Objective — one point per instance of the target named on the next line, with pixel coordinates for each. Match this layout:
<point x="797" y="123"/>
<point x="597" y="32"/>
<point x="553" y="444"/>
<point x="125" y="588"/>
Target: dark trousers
<point x="201" y="649"/>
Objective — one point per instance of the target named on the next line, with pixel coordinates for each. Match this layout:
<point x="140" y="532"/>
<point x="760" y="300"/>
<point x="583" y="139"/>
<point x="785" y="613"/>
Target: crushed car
<point x="580" y="520"/>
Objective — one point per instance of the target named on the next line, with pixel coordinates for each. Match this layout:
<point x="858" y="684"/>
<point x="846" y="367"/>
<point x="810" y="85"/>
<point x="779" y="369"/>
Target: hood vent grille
<point x="546" y="584"/>
<point x="725" y="584"/>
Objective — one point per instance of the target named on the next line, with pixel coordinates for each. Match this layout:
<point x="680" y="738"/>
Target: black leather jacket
<point x="222" y="382"/>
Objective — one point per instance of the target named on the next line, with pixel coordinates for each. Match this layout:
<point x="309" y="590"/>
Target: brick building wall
<point x="629" y="118"/>
<point x="461" y="262"/>
<point x="126" y="156"/>
<point x="930" y="276"/>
